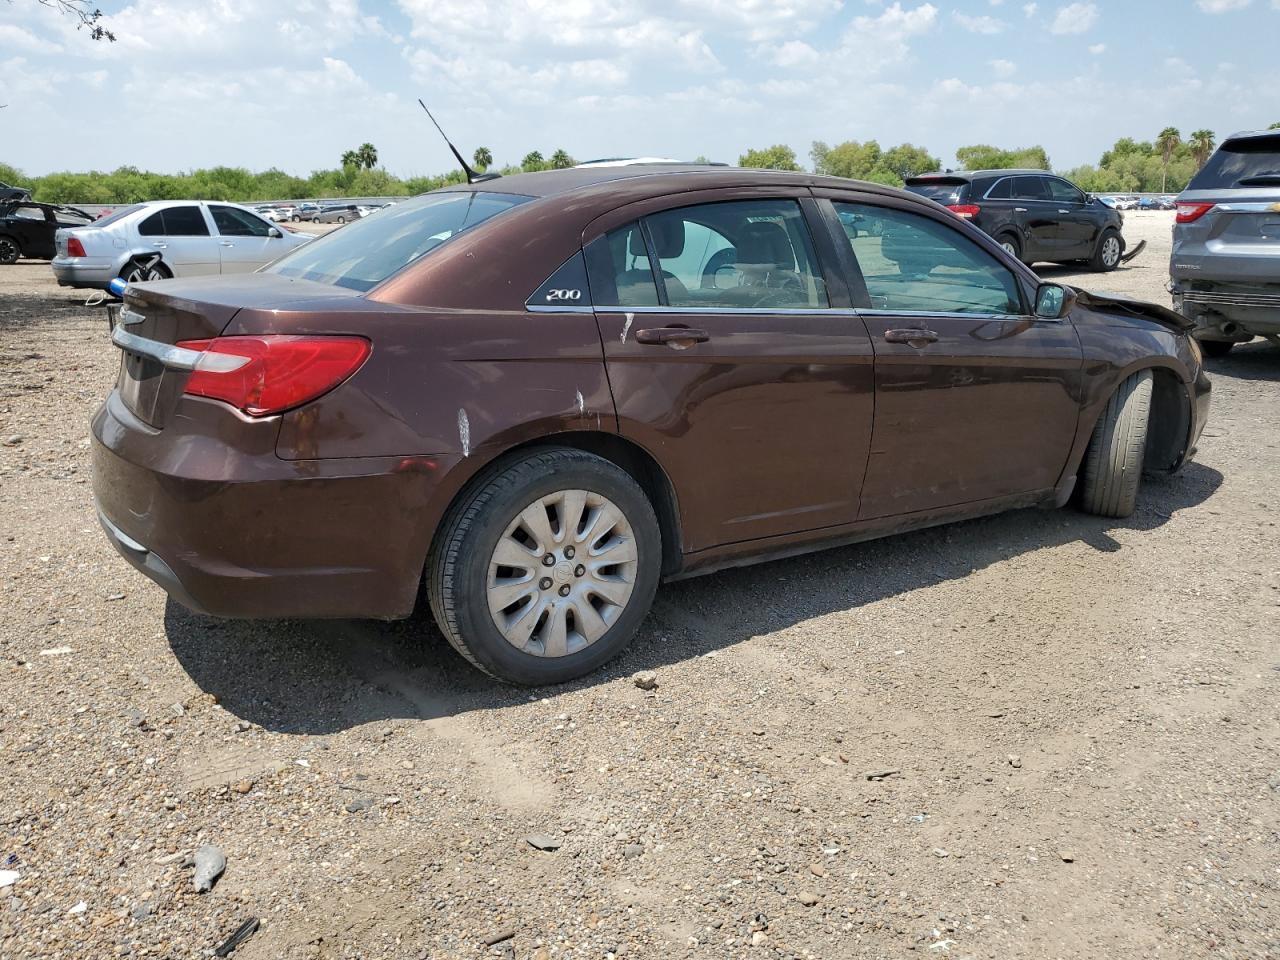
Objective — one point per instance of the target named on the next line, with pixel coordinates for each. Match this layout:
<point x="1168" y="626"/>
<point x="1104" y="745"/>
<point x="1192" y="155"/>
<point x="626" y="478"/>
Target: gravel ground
<point x="1036" y="735"/>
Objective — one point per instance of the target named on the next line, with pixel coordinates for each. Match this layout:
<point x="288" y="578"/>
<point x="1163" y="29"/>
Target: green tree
<point x="1201" y="144"/>
<point x="482" y="158"/>
<point x="350" y="159"/>
<point x="1167" y="143"/>
<point x="367" y="156"/>
<point x="533" y="162"/>
<point x="561" y="160"/>
<point x="1274" y="126"/>
<point x="983" y="156"/>
<point x="777" y="157"/>
<point x="849" y="159"/>
<point x="908" y="160"/>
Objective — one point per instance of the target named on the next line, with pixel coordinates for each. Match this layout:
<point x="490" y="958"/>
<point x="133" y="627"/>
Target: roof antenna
<point x="472" y="176"/>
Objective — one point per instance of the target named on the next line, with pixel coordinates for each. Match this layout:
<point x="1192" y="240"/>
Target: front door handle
<point x="913" y="337"/>
<point x="161" y="246"/>
<point x="225" y="243"/>
<point x="677" y="338"/>
<point x="1019" y="209"/>
<point x="1064" y="211"/>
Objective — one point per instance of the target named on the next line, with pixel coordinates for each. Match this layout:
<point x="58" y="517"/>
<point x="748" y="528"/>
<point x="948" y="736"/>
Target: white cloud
<point x="978" y="24"/>
<point x="1098" y="49"/>
<point x="1030" y="9"/>
<point x="1003" y="68"/>
<point x="1223" y="6"/>
<point x="16" y="38"/>
<point x="1075" y="18"/>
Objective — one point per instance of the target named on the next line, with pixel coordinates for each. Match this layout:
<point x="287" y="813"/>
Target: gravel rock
<point x="646" y="680"/>
<point x="209" y="864"/>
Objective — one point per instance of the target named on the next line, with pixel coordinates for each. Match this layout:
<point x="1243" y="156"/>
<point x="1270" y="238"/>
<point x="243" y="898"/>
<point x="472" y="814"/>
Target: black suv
<point x="1032" y="214"/>
<point x="27" y="228"/>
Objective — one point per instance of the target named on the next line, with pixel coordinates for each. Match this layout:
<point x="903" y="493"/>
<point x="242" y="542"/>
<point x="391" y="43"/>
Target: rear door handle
<point x="677" y="338"/>
<point x="225" y="243"/>
<point x="161" y="246"/>
<point x="913" y="337"/>
<point x="1019" y="209"/>
<point x="1064" y="211"/>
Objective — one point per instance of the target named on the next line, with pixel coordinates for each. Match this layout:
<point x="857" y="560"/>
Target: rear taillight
<point x="74" y="247"/>
<point x="1191" y="212"/>
<point x="274" y="373"/>
<point x="965" y="211"/>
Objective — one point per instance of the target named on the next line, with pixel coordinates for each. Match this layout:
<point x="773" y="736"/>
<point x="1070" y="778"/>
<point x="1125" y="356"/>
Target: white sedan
<point x="169" y="238"/>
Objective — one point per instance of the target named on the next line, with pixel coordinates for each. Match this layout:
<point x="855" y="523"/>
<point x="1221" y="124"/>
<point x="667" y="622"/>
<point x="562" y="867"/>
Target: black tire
<point x="1216" y="348"/>
<point x="1108" y="253"/>
<point x="315" y="219"/>
<point x="458" y="568"/>
<point x="9" y="250"/>
<point x="342" y="220"/>
<point x="1112" y="469"/>
<point x="1011" y="244"/>
<point x="296" y="219"/>
<point x="135" y="272"/>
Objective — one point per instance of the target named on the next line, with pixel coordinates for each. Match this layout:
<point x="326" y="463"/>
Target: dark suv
<point x="27" y="229"/>
<point x="1032" y="214"/>
<point x="1225" y="266"/>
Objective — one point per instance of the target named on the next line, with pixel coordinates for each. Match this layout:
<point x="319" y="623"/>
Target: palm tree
<point x="1202" y="145"/>
<point x="1167" y="143"/>
<point x="533" y="161"/>
<point x="561" y="160"/>
<point x="367" y="156"/>
<point x="482" y="158"/>
<point x="350" y="159"/>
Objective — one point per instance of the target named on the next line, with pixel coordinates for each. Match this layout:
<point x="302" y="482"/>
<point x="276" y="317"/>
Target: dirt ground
<point x="1038" y="735"/>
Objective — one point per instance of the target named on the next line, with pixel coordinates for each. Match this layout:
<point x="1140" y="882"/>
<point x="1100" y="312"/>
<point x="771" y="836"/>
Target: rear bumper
<point x="1223" y="311"/>
<point x="229" y="529"/>
<point x="83" y="271"/>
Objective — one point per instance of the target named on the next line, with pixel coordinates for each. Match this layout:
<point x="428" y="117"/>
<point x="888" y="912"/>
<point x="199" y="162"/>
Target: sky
<point x="293" y="83"/>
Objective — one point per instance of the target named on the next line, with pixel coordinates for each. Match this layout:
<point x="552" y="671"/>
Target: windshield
<point x="365" y="252"/>
<point x="939" y="191"/>
<point x="1239" y="161"/>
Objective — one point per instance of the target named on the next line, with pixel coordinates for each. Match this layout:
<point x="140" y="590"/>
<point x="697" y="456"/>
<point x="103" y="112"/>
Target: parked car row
<point x="1140" y="203"/>
<point x="168" y="238"/>
<point x="1036" y="216"/>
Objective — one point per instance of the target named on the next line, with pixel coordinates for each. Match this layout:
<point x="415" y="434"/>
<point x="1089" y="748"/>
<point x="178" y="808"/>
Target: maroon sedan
<point x="538" y="396"/>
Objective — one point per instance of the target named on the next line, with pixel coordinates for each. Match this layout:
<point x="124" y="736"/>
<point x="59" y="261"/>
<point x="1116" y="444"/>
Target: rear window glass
<point x="365" y="252"/>
<point x="1239" y="162"/>
<point x="940" y="191"/>
<point x="118" y="214"/>
<point x="1002" y="189"/>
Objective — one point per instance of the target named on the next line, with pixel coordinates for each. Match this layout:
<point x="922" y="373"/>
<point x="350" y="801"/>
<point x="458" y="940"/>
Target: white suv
<point x="169" y="238"/>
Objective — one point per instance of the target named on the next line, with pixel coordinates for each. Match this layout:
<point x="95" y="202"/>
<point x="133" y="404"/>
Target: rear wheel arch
<point x="634" y="459"/>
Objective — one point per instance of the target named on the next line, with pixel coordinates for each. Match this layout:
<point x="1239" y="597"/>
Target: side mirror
<point x="1053" y="301"/>
<point x="274" y="234"/>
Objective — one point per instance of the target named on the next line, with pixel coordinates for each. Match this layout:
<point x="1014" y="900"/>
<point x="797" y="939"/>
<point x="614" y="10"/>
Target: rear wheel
<point x="1107" y="257"/>
<point x="342" y="219"/>
<point x="547" y="570"/>
<point x="1216" y="348"/>
<point x="1113" y="462"/>
<point x="1011" y="244"/>
<point x="137" y="271"/>
<point x="9" y="251"/>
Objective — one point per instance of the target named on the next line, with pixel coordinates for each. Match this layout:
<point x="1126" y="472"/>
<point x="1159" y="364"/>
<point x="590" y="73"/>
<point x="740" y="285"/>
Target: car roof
<point x="975" y="174"/>
<point x="1252" y="135"/>
<point x="663" y="178"/>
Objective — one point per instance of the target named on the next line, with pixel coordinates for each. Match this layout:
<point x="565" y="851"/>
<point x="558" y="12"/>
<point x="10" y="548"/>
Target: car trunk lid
<point x="156" y="317"/>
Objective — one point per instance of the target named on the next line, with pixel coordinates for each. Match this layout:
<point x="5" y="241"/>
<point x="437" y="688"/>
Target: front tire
<point x="530" y="620"/>
<point x="1112" y="468"/>
<point x="1107" y="257"/>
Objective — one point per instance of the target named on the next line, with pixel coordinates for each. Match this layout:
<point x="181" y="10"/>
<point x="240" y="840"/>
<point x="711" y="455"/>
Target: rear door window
<point x="175" y="222"/>
<point x="753" y="254"/>
<point x="913" y="264"/>
<point x="1241" y="163"/>
<point x="620" y="270"/>
<point x="28" y="213"/>
<point x="1030" y="188"/>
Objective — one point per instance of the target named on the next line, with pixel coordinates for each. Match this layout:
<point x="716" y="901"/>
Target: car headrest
<point x="668" y="237"/>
